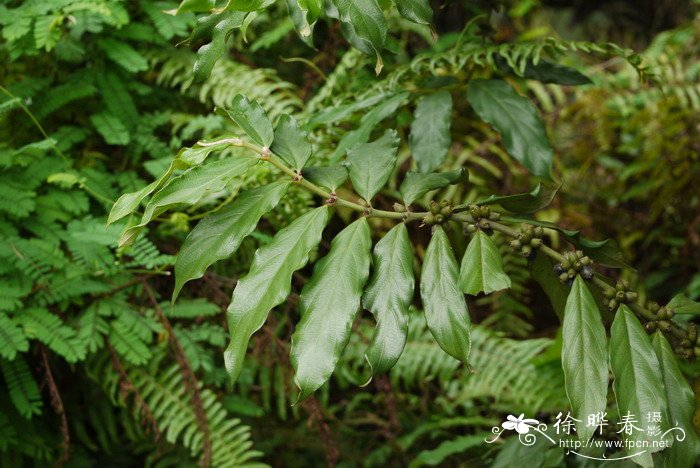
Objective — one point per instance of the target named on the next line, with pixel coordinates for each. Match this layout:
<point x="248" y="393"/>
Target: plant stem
<point x="458" y="216"/>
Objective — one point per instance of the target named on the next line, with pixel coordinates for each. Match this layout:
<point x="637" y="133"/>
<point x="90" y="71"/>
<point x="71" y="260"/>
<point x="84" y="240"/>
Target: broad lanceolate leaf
<point x="539" y="198"/>
<point x="388" y="296"/>
<point x="329" y="303"/>
<point x="681" y="406"/>
<point x="418" y="11"/>
<point x="291" y="143"/>
<point x="430" y="131"/>
<point x="268" y="282"/>
<point x="482" y="267"/>
<point x="187" y="157"/>
<point x="219" y="235"/>
<point x="190" y="186"/>
<point x="443" y="303"/>
<point x="371" y="164"/>
<point x="218" y="25"/>
<point x="330" y="177"/>
<point x="312" y="10"/>
<point x="541" y="268"/>
<point x="518" y="122"/>
<point x="682" y="304"/>
<point x="584" y="357"/>
<point x="364" y="25"/>
<point x="248" y="5"/>
<point x="252" y="119"/>
<point x="638" y="384"/>
<point x="417" y="184"/>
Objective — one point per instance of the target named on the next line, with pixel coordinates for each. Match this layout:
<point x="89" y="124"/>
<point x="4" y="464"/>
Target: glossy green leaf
<point x="219" y="235"/>
<point x="300" y="19"/>
<point x="681" y="406"/>
<point x="430" y="137"/>
<point x="368" y="122"/>
<point x="584" y="357"/>
<point x="482" y="267"/>
<point x="540" y="197"/>
<point x="330" y="177"/>
<point x="190" y="186"/>
<point x="128" y="202"/>
<point x="312" y="9"/>
<point x="328" y="305"/>
<point x="252" y="119"/>
<point x="388" y="296"/>
<point x="248" y="5"/>
<point x="418" y="11"/>
<point x="417" y="184"/>
<point x="197" y="6"/>
<point x="638" y="384"/>
<point x="291" y="142"/>
<point x="218" y="26"/>
<point x="518" y="122"/>
<point x="443" y="303"/>
<point x="682" y="304"/>
<point x="371" y="164"/>
<point x="268" y="282"/>
<point x="364" y="25"/>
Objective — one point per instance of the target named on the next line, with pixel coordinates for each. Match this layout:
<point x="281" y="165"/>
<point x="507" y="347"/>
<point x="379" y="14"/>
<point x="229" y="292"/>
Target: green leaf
<point x="197" y="6"/>
<point x="388" y="296"/>
<point x="681" y="406"/>
<point x="584" y="357"/>
<point x="329" y="303"/>
<point x="111" y="128"/>
<point x="190" y="186"/>
<point x="187" y="157"/>
<point x="444" y="305"/>
<point x="12" y="339"/>
<point x="219" y="26"/>
<point x="682" y="304"/>
<point x="368" y="122"/>
<point x="219" y="235"/>
<point x="252" y="119"/>
<point x="430" y="137"/>
<point x="291" y="143"/>
<point x="539" y="198"/>
<point x="123" y="55"/>
<point x="248" y="5"/>
<point x="268" y="282"/>
<point x="371" y="164"/>
<point x="312" y="10"/>
<point x="638" y="384"/>
<point x="518" y="122"/>
<point x="300" y="19"/>
<point x="21" y="386"/>
<point x="417" y="184"/>
<point x="365" y="27"/>
<point x="418" y="11"/>
<point x="545" y="71"/>
<point x="482" y="267"/>
<point x="330" y="177"/>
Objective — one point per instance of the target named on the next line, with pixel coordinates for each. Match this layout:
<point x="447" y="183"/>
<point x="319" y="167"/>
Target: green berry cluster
<point x="686" y="347"/>
<point x="574" y="263"/>
<point x="482" y="216"/>
<point x="620" y="295"/>
<point x="529" y="239"/>
<point x="439" y="213"/>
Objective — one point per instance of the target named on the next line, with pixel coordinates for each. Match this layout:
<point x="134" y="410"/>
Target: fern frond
<point x="12" y="339"/>
<point x="23" y="389"/>
<point x="50" y="330"/>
